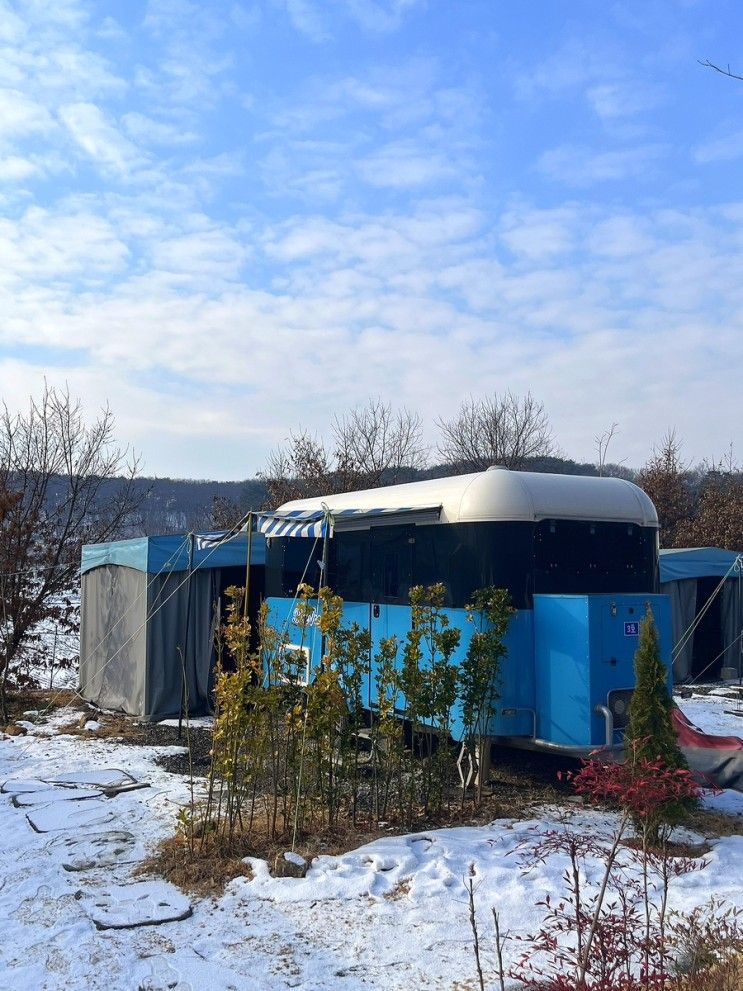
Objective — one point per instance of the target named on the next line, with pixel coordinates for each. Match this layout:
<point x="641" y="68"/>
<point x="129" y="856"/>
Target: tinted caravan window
<point x="576" y="557"/>
<point x="381" y="564"/>
<point x="287" y="560"/>
<point x="469" y="556"/>
<point x="391" y="559"/>
<point x="349" y="566"/>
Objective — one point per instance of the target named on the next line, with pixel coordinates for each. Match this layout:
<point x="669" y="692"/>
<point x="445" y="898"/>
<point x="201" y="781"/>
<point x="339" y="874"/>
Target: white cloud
<point x="21" y="115"/>
<point x="380" y="16"/>
<point x="622" y="99"/>
<point x="99" y="138"/>
<point x="44" y="245"/>
<point x="226" y="164"/>
<point x="306" y="18"/>
<point x="578" y="165"/>
<point x="111" y="30"/>
<point x="316" y="18"/>
<point x="12" y="27"/>
<point x="16" y="169"/>
<point x="208" y="255"/>
<point x="726" y="147"/>
<point x="147" y="130"/>
<point x="416" y="305"/>
<point x="538" y="234"/>
<point x="397" y="129"/>
<point x="618" y="90"/>
<point x="404" y="164"/>
<point x="621" y="236"/>
<point x="574" y="65"/>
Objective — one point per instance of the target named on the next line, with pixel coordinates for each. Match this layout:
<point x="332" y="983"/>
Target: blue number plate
<point x="632" y="629"/>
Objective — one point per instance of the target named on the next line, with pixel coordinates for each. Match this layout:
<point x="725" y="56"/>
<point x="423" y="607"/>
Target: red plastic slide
<point x="717" y="759"/>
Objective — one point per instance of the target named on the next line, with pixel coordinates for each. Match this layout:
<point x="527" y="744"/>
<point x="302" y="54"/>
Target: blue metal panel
<point x="561" y="652"/>
<point x="564" y="658"/>
<point x="584" y="649"/>
<point x="515" y="707"/>
<point x="516" y="684"/>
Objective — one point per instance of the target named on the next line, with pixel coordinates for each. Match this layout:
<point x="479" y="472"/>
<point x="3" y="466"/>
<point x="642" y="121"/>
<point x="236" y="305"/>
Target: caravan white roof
<point x="500" y="494"/>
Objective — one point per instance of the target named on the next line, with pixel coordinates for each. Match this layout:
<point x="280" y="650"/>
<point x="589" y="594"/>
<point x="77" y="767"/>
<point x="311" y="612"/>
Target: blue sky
<point x="231" y="219"/>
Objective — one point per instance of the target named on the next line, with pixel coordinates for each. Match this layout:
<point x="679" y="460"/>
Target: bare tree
<point x="504" y="430"/>
<point x="58" y="490"/>
<point x="375" y="445"/>
<point x="602" y="442"/>
<point x="299" y="470"/>
<point x="371" y="445"/>
<point x="668" y="482"/>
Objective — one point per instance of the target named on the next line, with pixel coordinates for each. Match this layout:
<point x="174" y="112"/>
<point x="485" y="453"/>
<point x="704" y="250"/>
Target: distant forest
<point x="179" y="505"/>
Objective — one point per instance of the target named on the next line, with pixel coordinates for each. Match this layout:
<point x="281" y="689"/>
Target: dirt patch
<point x="43" y="703"/>
<point x="401" y="890"/>
<point x="689" y="850"/>
<point x="710" y="823"/>
<point x="127" y="729"/>
<point x="110" y="726"/>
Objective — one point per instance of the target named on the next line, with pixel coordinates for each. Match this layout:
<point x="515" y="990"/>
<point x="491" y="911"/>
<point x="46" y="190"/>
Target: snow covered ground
<point x="392" y="914"/>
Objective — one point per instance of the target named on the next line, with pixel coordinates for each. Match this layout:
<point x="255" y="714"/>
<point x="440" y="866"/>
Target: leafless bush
<point x="371" y="445"/>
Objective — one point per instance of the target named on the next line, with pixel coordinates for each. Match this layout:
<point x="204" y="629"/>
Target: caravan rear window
<point x="576" y="557"/>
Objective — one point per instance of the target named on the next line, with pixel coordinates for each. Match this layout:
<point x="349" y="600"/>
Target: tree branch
<point x="718" y="68"/>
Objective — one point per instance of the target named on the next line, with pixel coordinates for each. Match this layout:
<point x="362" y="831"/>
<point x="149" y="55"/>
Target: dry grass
<point x="690" y="850"/>
<point x="205" y="873"/>
<point x="724" y="976"/>
<point x="216" y="861"/>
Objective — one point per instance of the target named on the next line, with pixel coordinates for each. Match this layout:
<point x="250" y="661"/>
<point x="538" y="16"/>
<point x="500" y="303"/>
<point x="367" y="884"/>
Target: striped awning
<point x="311" y="523"/>
<point x="300" y="523"/>
<point x="315" y="523"/>
<point x="362" y="519"/>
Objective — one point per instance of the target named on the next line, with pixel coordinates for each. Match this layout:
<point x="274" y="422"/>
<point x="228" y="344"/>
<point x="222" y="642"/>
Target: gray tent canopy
<point x="145" y="619"/>
<point x="691" y="576"/>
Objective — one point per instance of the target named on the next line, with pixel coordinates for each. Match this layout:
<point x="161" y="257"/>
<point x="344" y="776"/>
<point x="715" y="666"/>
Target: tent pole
<point x="191" y="539"/>
<point x="247" y="564"/>
<point x="739" y="563"/>
<point x="323" y="575"/>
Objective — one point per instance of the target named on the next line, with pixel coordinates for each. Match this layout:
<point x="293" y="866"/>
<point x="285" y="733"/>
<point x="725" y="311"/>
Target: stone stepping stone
<point x="107" y="778"/>
<point x="107" y="781"/>
<point x="65" y="815"/>
<point x="46" y="795"/>
<point x="144" y="903"/>
<point x="84" y="853"/>
<point x="22" y="785"/>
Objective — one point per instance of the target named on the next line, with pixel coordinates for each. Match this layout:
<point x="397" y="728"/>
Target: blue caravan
<point x="579" y="556"/>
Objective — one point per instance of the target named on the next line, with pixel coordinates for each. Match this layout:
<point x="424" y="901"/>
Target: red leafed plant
<point x="614" y="933"/>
